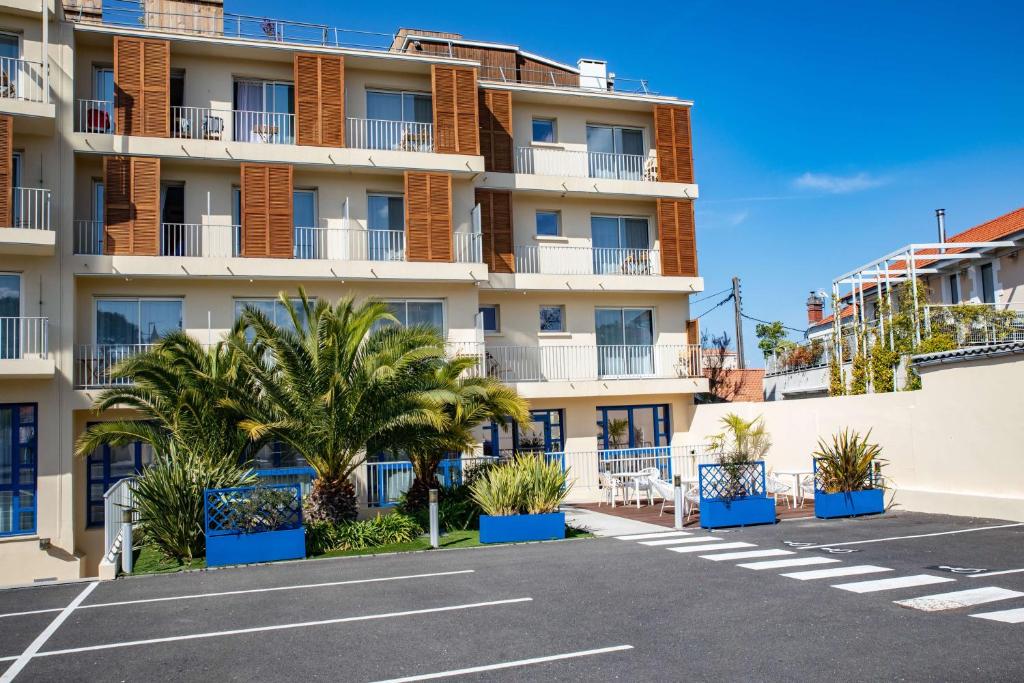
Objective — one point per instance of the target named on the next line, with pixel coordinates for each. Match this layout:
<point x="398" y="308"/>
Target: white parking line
<point x="903" y="538"/>
<point x="508" y="665"/>
<point x="836" y="572"/>
<point x="656" y="534"/>
<point x="713" y="546"/>
<point x="676" y="541"/>
<point x="999" y="573"/>
<point x="197" y="596"/>
<point x="1007" y="616"/>
<point x="747" y="555"/>
<point x="958" y="599"/>
<point x="891" y="584"/>
<point x="32" y="650"/>
<point x="795" y="562"/>
<point x="275" y="627"/>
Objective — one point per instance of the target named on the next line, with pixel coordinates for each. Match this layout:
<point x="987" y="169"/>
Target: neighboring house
<point x="165" y="163"/>
<point x="725" y="359"/>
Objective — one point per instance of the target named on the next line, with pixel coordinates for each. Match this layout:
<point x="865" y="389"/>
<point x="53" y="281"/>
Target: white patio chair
<point x="804" y="489"/>
<point x="667" y="493"/>
<point x="611" y="485"/>
<point x="775" y="487"/>
<point x="644" y="483"/>
<point x="691" y="499"/>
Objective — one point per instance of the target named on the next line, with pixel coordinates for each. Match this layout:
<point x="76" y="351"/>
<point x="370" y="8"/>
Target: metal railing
<point x="181" y="239"/>
<point x="263" y="127"/>
<point x="199" y="123"/>
<point x="386" y="481"/>
<point x="95" y="116"/>
<point x="976" y="324"/>
<point x="303" y="476"/>
<point x="30" y="208"/>
<point x="118" y="517"/>
<point x="468" y="247"/>
<point x="402" y="136"/>
<point x="568" y="260"/>
<point x="585" y="164"/>
<point x="585" y="466"/>
<point x="555" y="78"/>
<point x="88" y="237"/>
<point x="21" y="79"/>
<point x="176" y="239"/>
<point x="22" y="338"/>
<point x="94" y="363"/>
<point x="572" y="362"/>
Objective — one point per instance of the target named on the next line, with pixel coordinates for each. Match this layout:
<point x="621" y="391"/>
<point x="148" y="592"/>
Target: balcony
<point x="568" y="260"/>
<point x="24" y="348"/>
<point x="585" y="164"/>
<point x="21" y="79"/>
<point x="94" y="363"/>
<point x="573" y="363"/>
<point x="31" y="230"/>
<point x="975" y="324"/>
<point x="398" y="136"/>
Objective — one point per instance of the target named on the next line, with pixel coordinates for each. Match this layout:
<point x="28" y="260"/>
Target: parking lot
<point x="903" y="596"/>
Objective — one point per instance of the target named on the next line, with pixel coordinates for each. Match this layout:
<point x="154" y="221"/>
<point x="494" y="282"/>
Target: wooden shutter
<point x="672" y="142"/>
<point x="131" y="213"/>
<point x="267" y="228"/>
<point x="6" y="170"/>
<point x="456" y="117"/>
<point x="693" y="332"/>
<point x="142" y="85"/>
<point x="678" y="237"/>
<point x="496" y="226"/>
<point x="428" y="216"/>
<point x="320" y="100"/>
<point x="496" y="130"/>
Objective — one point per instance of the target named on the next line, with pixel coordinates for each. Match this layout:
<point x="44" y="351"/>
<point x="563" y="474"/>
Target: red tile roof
<point x="739" y="385"/>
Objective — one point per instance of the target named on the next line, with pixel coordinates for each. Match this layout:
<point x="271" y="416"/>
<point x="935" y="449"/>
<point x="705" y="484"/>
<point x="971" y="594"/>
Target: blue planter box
<point x="265" y="546"/>
<point x="715" y="514"/>
<point x="513" y="528"/>
<point x="849" y="503"/>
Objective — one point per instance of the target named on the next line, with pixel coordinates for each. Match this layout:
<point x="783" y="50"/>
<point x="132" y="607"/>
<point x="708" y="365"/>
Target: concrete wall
<point x="953" y="447"/>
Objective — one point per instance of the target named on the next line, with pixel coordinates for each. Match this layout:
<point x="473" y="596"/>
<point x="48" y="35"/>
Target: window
<point x="103" y="83"/>
<point x="18" y="456"/>
<point x="418" y="312"/>
<point x="309" y="242"/>
<point x="108" y="465"/>
<point x="175" y="239"/>
<point x="625" y="338"/>
<point x="621" y="245"/>
<point x="385" y="221"/>
<point x="16" y="209"/>
<point x="988" y="284"/>
<point x="264" y="111"/>
<point x="406" y="110"/>
<point x="954" y="289"/>
<point x="10" y="47"/>
<point x="413" y="107"/>
<point x="544" y="434"/>
<point x="615" y="152"/>
<point x="10" y="311"/>
<point x="548" y="223"/>
<point x="544" y="130"/>
<point x="552" y="318"/>
<point x="273" y="309"/>
<point x="126" y="322"/>
<point x="490" y="318"/>
<point x="633" y="426"/>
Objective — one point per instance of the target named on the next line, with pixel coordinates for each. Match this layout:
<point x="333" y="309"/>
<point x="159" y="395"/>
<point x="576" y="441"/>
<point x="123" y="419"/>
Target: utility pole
<point x="737" y="308"/>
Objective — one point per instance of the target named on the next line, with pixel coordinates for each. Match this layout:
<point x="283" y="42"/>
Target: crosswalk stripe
<point x="676" y="541"/>
<point x="746" y="555"/>
<point x="890" y="584"/>
<point x="655" y="534"/>
<point x="836" y="572"/>
<point x="792" y="562"/>
<point x="1007" y="616"/>
<point x="958" y="599"/>
<point x="703" y="548"/>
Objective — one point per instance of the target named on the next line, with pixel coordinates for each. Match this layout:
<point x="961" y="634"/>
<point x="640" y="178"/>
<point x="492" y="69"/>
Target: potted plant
<point x="254" y="524"/>
<point x="847" y="479"/>
<point x="519" y="500"/>
<point x="733" y="491"/>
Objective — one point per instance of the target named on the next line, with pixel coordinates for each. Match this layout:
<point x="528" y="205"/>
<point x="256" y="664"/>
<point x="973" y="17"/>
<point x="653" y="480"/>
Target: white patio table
<point x="797" y="475"/>
<point x="635" y="477"/>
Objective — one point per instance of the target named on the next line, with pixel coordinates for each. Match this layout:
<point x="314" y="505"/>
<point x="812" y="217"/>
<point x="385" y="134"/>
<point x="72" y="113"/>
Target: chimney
<point x="940" y="217"/>
<point x="593" y="73"/>
<point x="815" y="309"/>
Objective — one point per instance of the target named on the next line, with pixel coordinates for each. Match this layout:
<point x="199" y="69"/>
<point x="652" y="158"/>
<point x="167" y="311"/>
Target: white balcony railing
<point x="94" y="363"/>
<point x="976" y="324"/>
<point x="199" y="123"/>
<point x="88" y="237"/>
<point x="94" y="116"/>
<point x="562" y="260"/>
<point x="571" y="362"/>
<point x="402" y="136"/>
<point x="264" y="127"/>
<point x="21" y="79"/>
<point x="585" y="164"/>
<point x="468" y="247"/>
<point x="23" y="338"/>
<point x="30" y="208"/>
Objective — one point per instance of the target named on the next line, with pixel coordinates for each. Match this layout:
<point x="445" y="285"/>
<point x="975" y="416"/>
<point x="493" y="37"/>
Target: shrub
<point x="526" y="485"/>
<point x="324" y="536"/>
<point x="456" y="509"/>
<point x="849" y="463"/>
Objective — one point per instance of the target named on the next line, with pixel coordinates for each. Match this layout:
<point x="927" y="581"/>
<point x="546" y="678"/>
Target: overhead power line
<point x="718" y="305"/>
<point x="769" y="322"/>
<point x="711" y="296"/>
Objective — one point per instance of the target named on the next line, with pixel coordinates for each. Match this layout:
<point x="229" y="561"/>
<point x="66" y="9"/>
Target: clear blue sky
<point x="825" y="133"/>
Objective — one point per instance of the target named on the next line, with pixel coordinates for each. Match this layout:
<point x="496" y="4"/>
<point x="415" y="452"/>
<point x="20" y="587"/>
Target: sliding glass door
<point x="615" y="152"/>
<point x="625" y="341"/>
<point x="264" y="112"/>
<point x="621" y="245"/>
<point x="10" y="316"/>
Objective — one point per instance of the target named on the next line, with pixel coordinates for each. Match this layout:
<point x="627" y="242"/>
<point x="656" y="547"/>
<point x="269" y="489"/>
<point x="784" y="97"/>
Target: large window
<point x="615" y="152"/>
<point x="18" y="458"/>
<point x="10" y="312"/>
<point x="621" y="245"/>
<point x="419" y="312"/>
<point x="127" y="322"/>
<point x="385" y="221"/>
<point x="625" y="338"/>
<point x="411" y="107"/>
<point x="274" y="310"/>
<point x="108" y="465"/>
<point x="988" y="284"/>
<point x="394" y="120"/>
<point x="548" y="224"/>
<point x="103" y="83"/>
<point x="310" y="243"/>
<point x="264" y="111"/>
<point x="543" y="435"/>
<point x="642" y="426"/>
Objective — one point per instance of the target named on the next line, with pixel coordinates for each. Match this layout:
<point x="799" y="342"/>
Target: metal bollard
<point x="677" y="494"/>
<point x="435" y="541"/>
<point x="127" y="558"/>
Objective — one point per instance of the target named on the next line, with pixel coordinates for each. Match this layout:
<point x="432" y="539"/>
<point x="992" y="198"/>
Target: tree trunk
<point x="418" y="495"/>
<point x="332" y="500"/>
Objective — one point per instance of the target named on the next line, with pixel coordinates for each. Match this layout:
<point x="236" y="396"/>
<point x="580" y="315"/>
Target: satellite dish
<point x="821" y="293"/>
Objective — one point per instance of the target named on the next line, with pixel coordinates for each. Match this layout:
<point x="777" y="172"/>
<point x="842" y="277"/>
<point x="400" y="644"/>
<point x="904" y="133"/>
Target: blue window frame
<point x="108" y="465"/>
<point x="277" y="454"/>
<point x="18" y="461"/>
<point x="545" y="433"/>
<point x="633" y="426"/>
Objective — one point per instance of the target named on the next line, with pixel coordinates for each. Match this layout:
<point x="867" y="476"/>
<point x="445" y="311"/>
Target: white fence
<point x="559" y="260"/>
<point x="584" y="466"/>
<point x="30" y="208"/>
<point x="118" y="518"/>
<point x="571" y="362"/>
<point x="468" y="247"/>
<point x="584" y="164"/>
<point x="22" y="338"/>
<point x="21" y="79"/>
<point x="403" y="136"/>
<point x="94" y="363"/>
<point x="95" y="116"/>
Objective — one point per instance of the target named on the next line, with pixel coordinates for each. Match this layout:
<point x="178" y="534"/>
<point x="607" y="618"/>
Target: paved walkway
<point x="601" y="524"/>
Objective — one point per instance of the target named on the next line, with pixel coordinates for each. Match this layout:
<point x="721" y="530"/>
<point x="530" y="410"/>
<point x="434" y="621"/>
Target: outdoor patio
<point x="651" y="514"/>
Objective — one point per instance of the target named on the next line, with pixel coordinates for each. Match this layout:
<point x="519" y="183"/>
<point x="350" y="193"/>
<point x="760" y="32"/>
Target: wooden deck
<point x="651" y="514"/>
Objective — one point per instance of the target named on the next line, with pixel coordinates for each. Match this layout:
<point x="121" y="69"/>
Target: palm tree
<point x="335" y="381"/>
<point x="742" y="440"/>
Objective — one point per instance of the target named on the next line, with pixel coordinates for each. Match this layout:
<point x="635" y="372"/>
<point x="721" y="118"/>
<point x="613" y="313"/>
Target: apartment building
<point x="167" y="162"/>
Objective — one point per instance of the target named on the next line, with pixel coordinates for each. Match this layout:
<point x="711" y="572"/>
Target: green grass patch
<point x="149" y="560"/>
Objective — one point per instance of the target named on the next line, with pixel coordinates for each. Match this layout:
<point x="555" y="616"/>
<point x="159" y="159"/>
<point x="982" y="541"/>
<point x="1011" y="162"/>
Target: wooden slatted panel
<point x="332" y="100"/>
<point x="128" y="111"/>
<point x="673" y="143"/>
<point x="428" y="216"/>
<point x="496" y="226"/>
<point x="280" y="222"/>
<point x="156" y="88"/>
<point x="456" y="118"/>
<point x="145" y="192"/>
<point x="6" y="170"/>
<point x="693" y="332"/>
<point x="319" y="100"/>
<point x="496" y="130"/>
<point x="117" y="208"/>
<point x="307" y="99"/>
<point x="678" y="237"/>
<point x="255" y="210"/>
